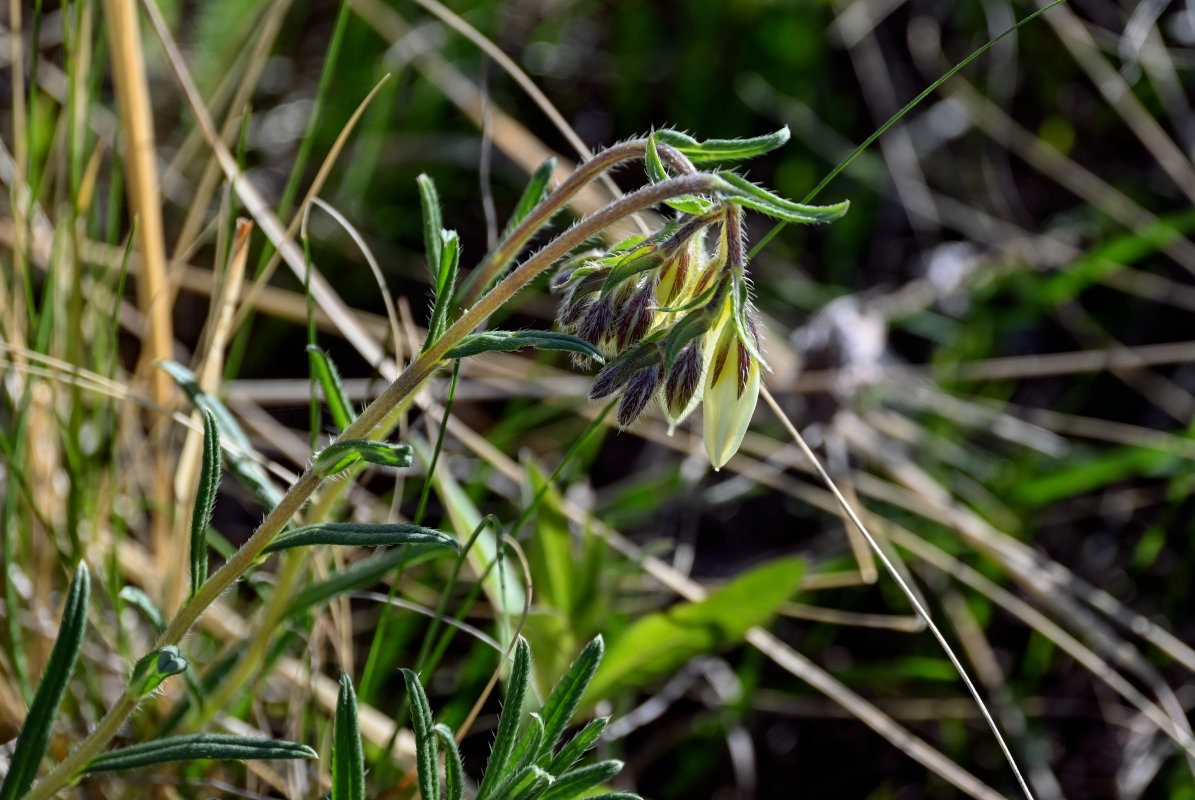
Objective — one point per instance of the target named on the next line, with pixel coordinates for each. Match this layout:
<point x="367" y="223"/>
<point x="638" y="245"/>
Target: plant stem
<point x="374" y="416"/>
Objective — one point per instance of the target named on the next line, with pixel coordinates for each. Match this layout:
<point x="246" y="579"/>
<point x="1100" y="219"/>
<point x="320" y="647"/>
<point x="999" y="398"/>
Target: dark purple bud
<point x="635" y="320"/>
<point x="637" y="394"/>
<point x="572" y="308"/>
<point x="683" y="379"/>
<point x="596" y="321"/>
<point x="609" y="380"/>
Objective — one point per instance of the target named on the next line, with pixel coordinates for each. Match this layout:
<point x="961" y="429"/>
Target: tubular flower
<point x="731" y="391"/>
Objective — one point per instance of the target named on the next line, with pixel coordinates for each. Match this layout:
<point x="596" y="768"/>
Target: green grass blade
<point x="219" y="746"/>
<point x="566" y="695"/>
<point x="454" y="768"/>
<point x="426" y="758"/>
<point x="205" y="500"/>
<point x="35" y="733"/>
<point x="354" y="534"/>
<point x="348" y="754"/>
<point x="578" y="746"/>
<point x="140" y="600"/>
<point x="364" y="573"/>
<point x="573" y="784"/>
<point x="508" y="721"/>
<point x="509" y="341"/>
<point x="329" y="380"/>
<point x="343" y="454"/>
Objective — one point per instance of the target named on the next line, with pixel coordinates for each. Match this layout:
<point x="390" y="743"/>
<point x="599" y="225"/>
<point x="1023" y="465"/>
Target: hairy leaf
<point x="360" y="535"/>
<point x="509" y="341"/>
<point x="328" y="376"/>
<point x="343" y="454"/>
<point x="348" y="755"/>
<point x="426" y="756"/>
<point x="715" y="150"/>
<point x="219" y="746"/>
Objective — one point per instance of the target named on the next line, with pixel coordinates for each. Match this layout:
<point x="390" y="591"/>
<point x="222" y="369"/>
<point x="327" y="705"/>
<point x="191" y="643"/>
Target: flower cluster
<point x="672" y="316"/>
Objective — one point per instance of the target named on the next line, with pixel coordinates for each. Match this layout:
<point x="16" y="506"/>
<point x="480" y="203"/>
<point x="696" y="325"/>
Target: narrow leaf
<point x="713" y="150"/>
<point x="509" y="341"/>
<point x="454" y="768"/>
<point x="205" y="499"/>
<point x="359" y="575"/>
<point x="745" y="193"/>
<point x="578" y="746"/>
<point x="652" y="163"/>
<point x="426" y="757"/>
<point x="328" y="376"/>
<point x="240" y="458"/>
<point x="508" y="721"/>
<point x="153" y="668"/>
<point x="219" y="746"/>
<point x="531" y="784"/>
<point x="562" y="703"/>
<point x="450" y="258"/>
<point x="527" y="752"/>
<point x="343" y="454"/>
<point x="35" y="733"/>
<point x="533" y="195"/>
<point x="140" y="600"/>
<point x="429" y="200"/>
<point x="572" y="784"/>
<point x="348" y="755"/>
<point x="360" y="535"/>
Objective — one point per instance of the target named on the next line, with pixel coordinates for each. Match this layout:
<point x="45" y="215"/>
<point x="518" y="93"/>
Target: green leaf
<point x="745" y="193"/>
<point x="454" y="768"/>
<point x="527" y="752"/>
<point x="153" y="668"/>
<point x="348" y="755"/>
<point x="572" y="784"/>
<point x="359" y="575"/>
<point x="508" y="722"/>
<point x="426" y="757"/>
<point x="713" y="150"/>
<point x="205" y="500"/>
<point x="562" y="703"/>
<point x="35" y="733"/>
<point x="578" y="746"/>
<point x="659" y="643"/>
<point x="343" y="454"/>
<point x="656" y="172"/>
<point x="240" y="457"/>
<point x="140" y="600"/>
<point x="328" y="376"/>
<point x="450" y="255"/>
<point x="433" y="224"/>
<point x="355" y="534"/>
<point x="533" y="195"/>
<point x="219" y="746"/>
<point x="530" y="783"/>
<point x="509" y="341"/>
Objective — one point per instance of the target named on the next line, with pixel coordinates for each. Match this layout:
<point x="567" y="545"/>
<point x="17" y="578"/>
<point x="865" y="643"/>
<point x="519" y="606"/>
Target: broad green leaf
<point x="355" y="534"/>
<point x="328" y="376"/>
<point x="659" y="643"/>
<point x="454" y="768"/>
<point x="533" y="195"/>
<point x="240" y="458"/>
<point x="153" y="668"/>
<point x="508" y="722"/>
<point x="426" y="756"/>
<point x="429" y="201"/>
<point x="140" y="600"/>
<point x="571" y="784"/>
<point x="562" y="703"/>
<point x="509" y="341"/>
<point x="39" y="722"/>
<point x="205" y="500"/>
<point x="219" y="746"/>
<point x="578" y="746"/>
<point x="343" y="454"/>
<point x="744" y="192"/>
<point x="714" y="150"/>
<point x="348" y="755"/>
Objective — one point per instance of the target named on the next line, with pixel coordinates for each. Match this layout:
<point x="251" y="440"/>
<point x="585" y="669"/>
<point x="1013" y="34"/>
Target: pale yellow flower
<point x="731" y="392"/>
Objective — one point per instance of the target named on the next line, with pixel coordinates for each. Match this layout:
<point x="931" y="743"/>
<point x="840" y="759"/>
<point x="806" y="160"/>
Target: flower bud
<point x="681" y="387"/>
<point x="634" y="319"/>
<point x="596" y="322"/>
<point x="637" y="394"/>
<point x="731" y="392"/>
<point x="609" y="380"/>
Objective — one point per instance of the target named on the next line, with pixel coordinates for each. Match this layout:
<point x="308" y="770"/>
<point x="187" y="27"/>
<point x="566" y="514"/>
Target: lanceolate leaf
<point x="745" y="193"/>
<point x="454" y="768"/>
<point x="714" y="150"/>
<point x="219" y="746"/>
<point x="450" y="258"/>
<point x="35" y="733"/>
<point x="509" y="341"/>
<point x="508" y="721"/>
<point x="578" y="746"/>
<point x="537" y="189"/>
<point x="562" y="703"/>
<point x="656" y="172"/>
<point x="205" y="499"/>
<point x="348" y="755"/>
<point x="429" y="200"/>
<point x="343" y="454"/>
<point x="242" y="464"/>
<point x="360" y="535"/>
<point x="571" y="784"/>
<point x="425" y="737"/>
<point x="329" y="380"/>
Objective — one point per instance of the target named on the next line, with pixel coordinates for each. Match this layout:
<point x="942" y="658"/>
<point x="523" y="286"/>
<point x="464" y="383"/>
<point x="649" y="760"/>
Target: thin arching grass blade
<point x="219" y="746"/>
<point x="348" y="754"/>
<point x="358" y="535"/>
<point x="35" y="733"/>
<point x="426" y="756"/>
<point x="205" y="500"/>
